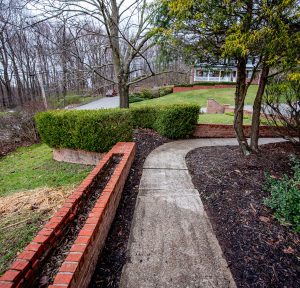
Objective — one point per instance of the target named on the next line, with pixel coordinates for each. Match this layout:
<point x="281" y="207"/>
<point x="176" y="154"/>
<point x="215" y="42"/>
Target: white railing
<point x="213" y="79"/>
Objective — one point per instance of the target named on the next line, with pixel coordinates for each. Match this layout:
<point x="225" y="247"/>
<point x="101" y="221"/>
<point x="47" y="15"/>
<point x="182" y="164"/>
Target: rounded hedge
<point x="99" y="130"/>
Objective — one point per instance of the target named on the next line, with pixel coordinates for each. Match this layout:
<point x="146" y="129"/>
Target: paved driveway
<point x="103" y="103"/>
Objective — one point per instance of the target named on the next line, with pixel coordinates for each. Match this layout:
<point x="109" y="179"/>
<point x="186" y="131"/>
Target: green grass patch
<point x="33" y="167"/>
<point x="227" y="119"/>
<point x="221" y="119"/>
<point x="21" y="218"/>
<point x="14" y="238"/>
<point x="199" y="97"/>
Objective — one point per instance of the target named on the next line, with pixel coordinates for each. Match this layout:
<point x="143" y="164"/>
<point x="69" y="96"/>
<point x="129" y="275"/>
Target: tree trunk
<point x="240" y="94"/>
<point x="124" y="95"/>
<point x="257" y="108"/>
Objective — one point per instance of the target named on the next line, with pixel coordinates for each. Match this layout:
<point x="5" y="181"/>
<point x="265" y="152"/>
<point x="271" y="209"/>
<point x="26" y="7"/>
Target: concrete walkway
<point x="172" y="243"/>
<point x="103" y="103"/>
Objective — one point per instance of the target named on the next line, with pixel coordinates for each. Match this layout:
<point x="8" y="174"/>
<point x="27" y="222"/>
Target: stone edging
<point x="77" y="156"/>
<point x="79" y="265"/>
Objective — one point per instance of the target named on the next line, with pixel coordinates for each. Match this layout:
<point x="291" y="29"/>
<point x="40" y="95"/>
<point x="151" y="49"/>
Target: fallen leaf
<point x="289" y="250"/>
<point x="264" y="219"/>
<point x="253" y="209"/>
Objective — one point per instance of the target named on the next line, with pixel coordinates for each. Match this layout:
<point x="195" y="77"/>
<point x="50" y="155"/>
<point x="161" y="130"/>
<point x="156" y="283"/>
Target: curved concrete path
<point x="172" y="243"/>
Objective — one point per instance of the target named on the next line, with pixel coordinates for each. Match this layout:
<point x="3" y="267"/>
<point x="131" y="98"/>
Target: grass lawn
<point x="32" y="188"/>
<point x="221" y="119"/>
<point x="33" y="167"/>
<point x="227" y="118"/>
<point x="223" y="96"/>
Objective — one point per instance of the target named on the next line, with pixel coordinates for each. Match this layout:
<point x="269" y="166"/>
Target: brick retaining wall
<point x="79" y="265"/>
<point x="213" y="107"/>
<point x="200" y="87"/>
<point x="77" y="156"/>
<point x="227" y="131"/>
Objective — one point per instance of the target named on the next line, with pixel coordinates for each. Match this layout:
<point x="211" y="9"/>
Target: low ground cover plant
<point x="99" y="130"/>
<point x="285" y="196"/>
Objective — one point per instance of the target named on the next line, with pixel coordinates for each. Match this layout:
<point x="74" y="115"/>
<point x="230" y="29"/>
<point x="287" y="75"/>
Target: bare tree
<point x="127" y="28"/>
<point x="48" y="54"/>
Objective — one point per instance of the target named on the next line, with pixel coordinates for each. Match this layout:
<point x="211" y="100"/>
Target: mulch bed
<point x="113" y="256"/>
<point x="11" y="147"/>
<point x="260" y="252"/>
<point x="52" y="264"/>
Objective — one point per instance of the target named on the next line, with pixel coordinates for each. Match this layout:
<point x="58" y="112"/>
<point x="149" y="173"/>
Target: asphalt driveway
<point x="103" y="103"/>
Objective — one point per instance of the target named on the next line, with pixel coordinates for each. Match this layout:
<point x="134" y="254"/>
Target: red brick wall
<point x="200" y="87"/>
<point x="78" y="266"/>
<point x="81" y="261"/>
<point x="213" y="107"/>
<point x="227" y="131"/>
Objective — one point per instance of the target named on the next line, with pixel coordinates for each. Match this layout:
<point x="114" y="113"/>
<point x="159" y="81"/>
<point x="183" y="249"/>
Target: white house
<point x="226" y="72"/>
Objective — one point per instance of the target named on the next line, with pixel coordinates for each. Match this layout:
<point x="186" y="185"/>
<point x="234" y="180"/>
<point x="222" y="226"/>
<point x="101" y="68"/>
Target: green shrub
<point x="146" y="94"/>
<point x="135" y="98"/>
<point x="176" y="121"/>
<point x="144" y="116"/>
<point x="165" y="91"/>
<point x="285" y="196"/>
<point x="155" y="93"/>
<point x="99" y="130"/>
<point x="173" y="121"/>
<point x="95" y="130"/>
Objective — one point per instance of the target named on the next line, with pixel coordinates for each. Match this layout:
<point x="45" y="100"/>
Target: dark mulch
<point x="113" y="256"/>
<point x="50" y="267"/>
<point x="11" y="147"/>
<point x="260" y="252"/>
